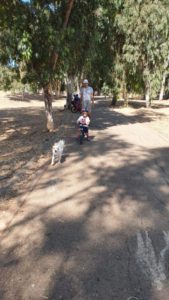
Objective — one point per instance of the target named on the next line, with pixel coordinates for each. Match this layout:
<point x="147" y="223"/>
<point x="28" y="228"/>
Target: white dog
<point x="57" y="151"/>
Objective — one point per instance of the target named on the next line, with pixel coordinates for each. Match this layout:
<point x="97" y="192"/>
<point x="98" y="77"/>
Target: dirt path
<point x="96" y="226"/>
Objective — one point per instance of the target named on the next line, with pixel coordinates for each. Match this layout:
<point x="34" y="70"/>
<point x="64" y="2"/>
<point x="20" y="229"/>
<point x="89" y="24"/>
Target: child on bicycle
<point x="83" y="123"/>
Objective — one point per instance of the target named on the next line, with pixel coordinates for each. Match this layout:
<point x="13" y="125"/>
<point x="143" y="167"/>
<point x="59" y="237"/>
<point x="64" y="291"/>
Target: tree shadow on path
<point x="83" y="244"/>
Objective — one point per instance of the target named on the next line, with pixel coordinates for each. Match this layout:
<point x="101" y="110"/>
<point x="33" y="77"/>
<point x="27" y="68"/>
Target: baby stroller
<point x="75" y="104"/>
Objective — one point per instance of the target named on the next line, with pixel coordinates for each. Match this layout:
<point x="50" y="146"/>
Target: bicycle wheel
<point x="81" y="137"/>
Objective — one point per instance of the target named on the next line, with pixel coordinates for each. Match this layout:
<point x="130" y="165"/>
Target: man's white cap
<point x="85" y="81"/>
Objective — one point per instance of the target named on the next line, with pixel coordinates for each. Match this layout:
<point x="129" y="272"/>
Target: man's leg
<point x="83" y="104"/>
<point x="89" y="108"/>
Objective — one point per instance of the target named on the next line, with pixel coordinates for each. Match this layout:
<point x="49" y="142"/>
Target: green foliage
<point x="113" y="43"/>
<point x="9" y="81"/>
<point x="24" y="46"/>
<point x="144" y="25"/>
<point x="7" y="77"/>
<point x="31" y="36"/>
<point x="106" y="90"/>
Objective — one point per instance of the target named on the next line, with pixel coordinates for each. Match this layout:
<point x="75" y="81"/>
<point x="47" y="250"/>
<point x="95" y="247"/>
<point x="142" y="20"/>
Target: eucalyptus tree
<point x="80" y="41"/>
<point x="32" y="35"/>
<point x="102" y="55"/>
<point x="144" y="25"/>
<point x="164" y="76"/>
<point x="49" y="39"/>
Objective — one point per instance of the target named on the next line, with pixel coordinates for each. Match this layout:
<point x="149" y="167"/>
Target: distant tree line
<point x="119" y="45"/>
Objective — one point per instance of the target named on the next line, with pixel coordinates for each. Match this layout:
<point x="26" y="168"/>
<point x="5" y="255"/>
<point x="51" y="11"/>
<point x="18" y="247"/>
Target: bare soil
<point x="24" y="140"/>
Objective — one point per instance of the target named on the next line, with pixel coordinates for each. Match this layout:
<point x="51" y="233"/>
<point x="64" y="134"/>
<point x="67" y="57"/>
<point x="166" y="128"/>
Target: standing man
<point x="87" y="97"/>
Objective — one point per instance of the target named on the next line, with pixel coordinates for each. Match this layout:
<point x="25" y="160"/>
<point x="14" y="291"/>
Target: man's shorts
<point x="86" y="104"/>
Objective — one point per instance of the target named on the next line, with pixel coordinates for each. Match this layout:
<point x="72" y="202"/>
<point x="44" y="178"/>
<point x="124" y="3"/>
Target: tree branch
<point x="70" y="3"/>
<point x="68" y="12"/>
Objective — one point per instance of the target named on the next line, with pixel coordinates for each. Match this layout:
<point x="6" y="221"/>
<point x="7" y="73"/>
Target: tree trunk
<point x="77" y="85"/>
<point x="55" y="55"/>
<point x="114" y="100"/>
<point x="164" y="79"/>
<point x="70" y="89"/>
<point x="124" y="85"/>
<point x="162" y="86"/>
<point x="48" y="108"/>
<point x="68" y="12"/>
<point x="147" y="94"/>
<point x="125" y="94"/>
<point x="57" y="87"/>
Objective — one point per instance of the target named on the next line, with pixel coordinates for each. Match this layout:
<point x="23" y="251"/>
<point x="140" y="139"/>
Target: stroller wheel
<point x="73" y="109"/>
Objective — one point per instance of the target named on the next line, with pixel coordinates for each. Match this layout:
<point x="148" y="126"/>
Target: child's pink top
<point x="83" y="120"/>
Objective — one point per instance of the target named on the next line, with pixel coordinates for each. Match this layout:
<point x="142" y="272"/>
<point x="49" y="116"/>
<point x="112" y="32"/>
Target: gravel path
<point x="96" y="226"/>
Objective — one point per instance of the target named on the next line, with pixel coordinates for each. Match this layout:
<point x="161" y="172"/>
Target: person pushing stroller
<point x="83" y="122"/>
<point x="87" y="97"/>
